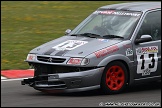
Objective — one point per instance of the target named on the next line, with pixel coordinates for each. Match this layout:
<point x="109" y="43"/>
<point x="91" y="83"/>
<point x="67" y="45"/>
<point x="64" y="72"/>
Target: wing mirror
<point x="144" y="38"/>
<point x="67" y="31"/>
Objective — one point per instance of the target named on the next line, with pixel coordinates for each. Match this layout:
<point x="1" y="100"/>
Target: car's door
<point x="147" y="55"/>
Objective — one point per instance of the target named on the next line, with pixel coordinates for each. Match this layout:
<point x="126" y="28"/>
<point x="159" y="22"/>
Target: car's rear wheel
<point x="114" y="78"/>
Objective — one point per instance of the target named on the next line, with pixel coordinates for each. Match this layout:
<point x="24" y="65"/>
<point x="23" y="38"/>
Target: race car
<point x="116" y="46"/>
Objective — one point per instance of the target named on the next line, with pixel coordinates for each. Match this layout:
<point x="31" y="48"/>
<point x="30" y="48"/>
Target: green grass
<point x="28" y="24"/>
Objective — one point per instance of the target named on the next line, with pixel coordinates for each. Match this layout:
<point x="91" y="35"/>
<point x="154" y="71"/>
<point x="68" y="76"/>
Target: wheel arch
<point x="123" y="59"/>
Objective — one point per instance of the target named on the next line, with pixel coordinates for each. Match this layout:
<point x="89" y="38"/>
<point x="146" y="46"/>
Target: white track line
<point x="30" y="69"/>
<point x="3" y="77"/>
<point x="14" y="79"/>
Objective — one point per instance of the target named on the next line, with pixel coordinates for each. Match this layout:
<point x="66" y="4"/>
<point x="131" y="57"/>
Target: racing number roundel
<point x="69" y="45"/>
<point x="147" y="60"/>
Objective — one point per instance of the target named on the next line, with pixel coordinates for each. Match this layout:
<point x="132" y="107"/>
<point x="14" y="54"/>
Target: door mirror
<point x="144" y="38"/>
<point x="67" y="31"/>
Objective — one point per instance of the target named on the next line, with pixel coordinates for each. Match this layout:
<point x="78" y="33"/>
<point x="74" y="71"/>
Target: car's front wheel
<point x="114" y="78"/>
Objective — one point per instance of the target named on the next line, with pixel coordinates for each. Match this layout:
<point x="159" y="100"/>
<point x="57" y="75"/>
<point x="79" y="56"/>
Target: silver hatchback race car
<point x="117" y="45"/>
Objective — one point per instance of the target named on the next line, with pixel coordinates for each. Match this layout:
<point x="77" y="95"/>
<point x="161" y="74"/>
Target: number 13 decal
<point x="147" y="62"/>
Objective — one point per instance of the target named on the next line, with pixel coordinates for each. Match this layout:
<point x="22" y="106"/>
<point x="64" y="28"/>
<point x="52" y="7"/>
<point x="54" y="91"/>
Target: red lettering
<point x="106" y="51"/>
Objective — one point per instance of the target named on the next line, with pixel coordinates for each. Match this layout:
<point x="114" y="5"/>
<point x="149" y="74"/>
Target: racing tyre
<point x="114" y="78"/>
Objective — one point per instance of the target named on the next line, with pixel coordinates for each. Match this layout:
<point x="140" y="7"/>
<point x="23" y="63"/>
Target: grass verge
<point x="28" y="24"/>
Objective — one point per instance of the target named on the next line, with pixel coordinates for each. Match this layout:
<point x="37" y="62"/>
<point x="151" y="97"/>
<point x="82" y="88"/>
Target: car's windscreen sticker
<point x="69" y="45"/>
<point x="113" y="12"/>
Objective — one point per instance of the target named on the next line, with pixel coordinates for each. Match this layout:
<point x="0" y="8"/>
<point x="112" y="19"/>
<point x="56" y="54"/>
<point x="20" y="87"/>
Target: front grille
<point x="50" y="59"/>
<point x="43" y="82"/>
<point x="44" y="69"/>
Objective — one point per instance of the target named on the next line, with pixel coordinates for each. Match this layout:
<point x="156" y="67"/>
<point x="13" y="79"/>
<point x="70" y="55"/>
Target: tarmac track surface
<point x="13" y="94"/>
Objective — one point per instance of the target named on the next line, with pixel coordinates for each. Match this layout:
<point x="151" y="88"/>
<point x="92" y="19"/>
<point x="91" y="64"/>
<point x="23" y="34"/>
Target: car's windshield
<point x="109" y="23"/>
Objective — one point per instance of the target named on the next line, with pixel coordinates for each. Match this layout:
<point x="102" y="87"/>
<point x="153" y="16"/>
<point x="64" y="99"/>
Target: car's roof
<point x="134" y="6"/>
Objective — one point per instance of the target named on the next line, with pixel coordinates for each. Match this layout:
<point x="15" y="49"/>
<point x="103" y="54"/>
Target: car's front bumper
<point x="67" y="82"/>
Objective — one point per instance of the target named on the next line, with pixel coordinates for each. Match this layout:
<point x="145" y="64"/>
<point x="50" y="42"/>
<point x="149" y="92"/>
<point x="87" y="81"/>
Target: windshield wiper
<point x="91" y="35"/>
<point x="112" y="36"/>
<point x="75" y="35"/>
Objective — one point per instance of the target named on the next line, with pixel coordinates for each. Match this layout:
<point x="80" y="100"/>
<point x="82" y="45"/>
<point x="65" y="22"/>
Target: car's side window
<point x="151" y="25"/>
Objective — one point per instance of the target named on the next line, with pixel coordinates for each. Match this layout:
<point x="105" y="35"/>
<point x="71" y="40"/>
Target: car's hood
<point x="73" y="46"/>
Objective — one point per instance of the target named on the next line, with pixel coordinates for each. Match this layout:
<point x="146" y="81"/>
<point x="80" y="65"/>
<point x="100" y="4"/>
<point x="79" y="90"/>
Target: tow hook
<point x="29" y="81"/>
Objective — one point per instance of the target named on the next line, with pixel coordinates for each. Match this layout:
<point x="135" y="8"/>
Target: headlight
<point x="78" y="61"/>
<point x="31" y="57"/>
<point x="85" y="61"/>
